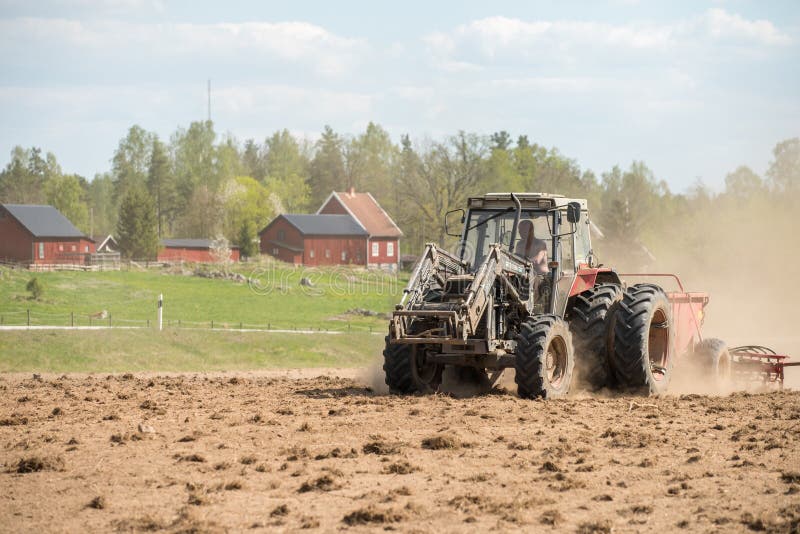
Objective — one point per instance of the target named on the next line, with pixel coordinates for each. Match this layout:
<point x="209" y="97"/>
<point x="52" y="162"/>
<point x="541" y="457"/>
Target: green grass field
<point x="274" y="298"/>
<point x="66" y="351"/>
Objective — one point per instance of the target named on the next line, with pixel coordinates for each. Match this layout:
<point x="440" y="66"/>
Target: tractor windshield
<point x="487" y="227"/>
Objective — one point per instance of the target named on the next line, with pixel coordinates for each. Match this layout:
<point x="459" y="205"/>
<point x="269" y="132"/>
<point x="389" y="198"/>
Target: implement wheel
<point x="545" y="358"/>
<point x="712" y="357"/>
<point x="591" y="323"/>
<point x="644" y="340"/>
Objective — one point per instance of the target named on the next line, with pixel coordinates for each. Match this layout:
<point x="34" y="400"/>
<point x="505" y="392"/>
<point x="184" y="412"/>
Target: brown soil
<point x="216" y="453"/>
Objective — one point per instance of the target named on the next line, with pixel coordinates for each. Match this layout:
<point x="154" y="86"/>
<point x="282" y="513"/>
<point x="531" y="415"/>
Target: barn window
<point x="376" y="249"/>
<point x="86" y="248"/>
<point x="390" y="249"/>
<point x="281" y="235"/>
<point x="60" y="247"/>
<point x="41" y="251"/>
<point x="311" y="253"/>
<point x="344" y="255"/>
<point x="327" y="253"/>
<point x="74" y="248"/>
<point x="274" y="251"/>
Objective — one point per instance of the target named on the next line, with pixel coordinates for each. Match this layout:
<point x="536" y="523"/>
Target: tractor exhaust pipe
<point x="516" y="222"/>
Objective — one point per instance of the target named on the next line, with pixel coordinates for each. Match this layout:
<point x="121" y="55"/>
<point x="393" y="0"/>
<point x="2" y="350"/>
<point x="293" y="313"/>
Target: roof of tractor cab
<point x="528" y="200"/>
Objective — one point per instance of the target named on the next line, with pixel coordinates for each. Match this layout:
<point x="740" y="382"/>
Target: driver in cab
<point x="531" y="248"/>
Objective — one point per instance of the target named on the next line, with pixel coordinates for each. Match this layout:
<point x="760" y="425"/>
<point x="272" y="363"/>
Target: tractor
<point x="523" y="290"/>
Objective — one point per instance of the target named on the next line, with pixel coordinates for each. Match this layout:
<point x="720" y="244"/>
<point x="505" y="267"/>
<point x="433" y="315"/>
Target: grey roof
<point x="324" y="224"/>
<point x="190" y="243"/>
<point x="43" y="221"/>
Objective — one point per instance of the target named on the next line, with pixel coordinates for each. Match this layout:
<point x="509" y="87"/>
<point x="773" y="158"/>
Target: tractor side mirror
<point x="449" y="221"/>
<point x="574" y="212"/>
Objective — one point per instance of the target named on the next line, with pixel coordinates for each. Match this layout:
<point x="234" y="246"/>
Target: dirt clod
<point x="442" y="441"/>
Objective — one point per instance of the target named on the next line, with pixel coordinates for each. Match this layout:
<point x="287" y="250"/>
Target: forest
<point x="203" y="184"/>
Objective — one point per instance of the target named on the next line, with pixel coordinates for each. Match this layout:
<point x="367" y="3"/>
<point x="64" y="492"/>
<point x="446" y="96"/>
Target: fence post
<point x="160" y="312"/>
<point x="212" y="325"/>
<point x="240" y="326"/>
<point x="90" y="320"/>
<point x="148" y="323"/>
<point x="29" y="317"/>
<point x="109" y="320"/>
<point x="72" y="319"/>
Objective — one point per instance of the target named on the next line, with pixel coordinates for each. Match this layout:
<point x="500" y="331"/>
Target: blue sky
<point x="694" y="89"/>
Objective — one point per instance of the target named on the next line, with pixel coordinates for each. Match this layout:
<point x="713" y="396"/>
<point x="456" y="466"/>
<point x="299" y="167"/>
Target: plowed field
<point x="281" y="452"/>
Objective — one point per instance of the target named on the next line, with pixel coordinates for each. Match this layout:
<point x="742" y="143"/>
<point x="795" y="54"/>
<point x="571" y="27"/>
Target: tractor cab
<point x="549" y="233"/>
<point x="539" y="222"/>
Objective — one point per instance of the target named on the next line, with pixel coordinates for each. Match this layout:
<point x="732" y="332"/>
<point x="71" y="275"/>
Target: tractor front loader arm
<point x="453" y="313"/>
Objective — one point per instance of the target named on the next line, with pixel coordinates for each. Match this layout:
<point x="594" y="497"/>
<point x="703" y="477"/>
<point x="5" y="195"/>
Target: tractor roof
<point x="528" y="200"/>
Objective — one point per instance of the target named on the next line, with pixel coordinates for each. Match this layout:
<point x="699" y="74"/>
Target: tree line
<point x="201" y="184"/>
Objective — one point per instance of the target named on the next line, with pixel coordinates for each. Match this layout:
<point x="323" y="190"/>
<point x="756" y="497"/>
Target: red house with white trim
<point x="383" y="241"/>
<point x="38" y="234"/>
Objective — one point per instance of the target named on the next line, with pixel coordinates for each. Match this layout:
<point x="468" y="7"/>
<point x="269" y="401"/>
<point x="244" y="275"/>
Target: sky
<point x="694" y="89"/>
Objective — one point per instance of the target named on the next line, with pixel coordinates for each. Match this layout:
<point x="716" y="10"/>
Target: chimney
<point x="352" y="191"/>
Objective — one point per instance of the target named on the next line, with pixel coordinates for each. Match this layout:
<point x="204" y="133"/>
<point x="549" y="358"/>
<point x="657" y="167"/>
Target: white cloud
<point x="290" y="42"/>
<point x="730" y="25"/>
<point x="499" y="39"/>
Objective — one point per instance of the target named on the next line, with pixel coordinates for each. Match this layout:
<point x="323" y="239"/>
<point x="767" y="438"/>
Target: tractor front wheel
<point x="545" y="358"/>
<point x="644" y="340"/>
<point x="397" y="368"/>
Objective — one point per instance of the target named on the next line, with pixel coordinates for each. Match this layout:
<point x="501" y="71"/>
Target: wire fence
<point x="39" y="319"/>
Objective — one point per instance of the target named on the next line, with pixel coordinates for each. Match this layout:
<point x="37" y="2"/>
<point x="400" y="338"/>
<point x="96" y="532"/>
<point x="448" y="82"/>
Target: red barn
<point x="315" y="240"/>
<point x="191" y="250"/>
<point x="383" y="242"/>
<point x="35" y="234"/>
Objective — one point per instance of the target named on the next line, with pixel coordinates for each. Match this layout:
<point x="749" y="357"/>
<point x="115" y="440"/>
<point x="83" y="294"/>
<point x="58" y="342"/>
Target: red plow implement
<point x="755" y="363"/>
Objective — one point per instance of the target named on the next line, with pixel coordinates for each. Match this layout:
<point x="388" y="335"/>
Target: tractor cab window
<point x="487" y="227"/>
<point x="583" y="244"/>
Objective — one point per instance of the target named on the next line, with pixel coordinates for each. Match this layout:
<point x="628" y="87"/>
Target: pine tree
<point x="327" y="168"/>
<point x="161" y="185"/>
<point x="137" y="227"/>
<point x="247" y="233"/>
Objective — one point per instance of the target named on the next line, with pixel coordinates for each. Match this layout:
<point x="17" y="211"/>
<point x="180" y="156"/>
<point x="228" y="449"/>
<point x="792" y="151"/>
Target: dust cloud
<point x="745" y="256"/>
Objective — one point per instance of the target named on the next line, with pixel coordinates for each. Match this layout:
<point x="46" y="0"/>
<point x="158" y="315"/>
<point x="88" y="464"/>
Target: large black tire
<point x="407" y="372"/>
<point x="545" y="358"/>
<point x="713" y="360"/>
<point x="397" y="368"/>
<point x="591" y="322"/>
<point x="644" y="340"/>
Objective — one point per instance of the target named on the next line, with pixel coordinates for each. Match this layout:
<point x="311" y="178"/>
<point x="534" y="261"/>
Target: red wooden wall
<point x="15" y="240"/>
<point x="62" y="250"/>
<point x="195" y="255"/>
<point x="327" y="250"/>
<point x="283" y="241"/>
<point x="383" y="256"/>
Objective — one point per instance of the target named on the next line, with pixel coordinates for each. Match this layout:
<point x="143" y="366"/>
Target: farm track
<point x="289" y="451"/>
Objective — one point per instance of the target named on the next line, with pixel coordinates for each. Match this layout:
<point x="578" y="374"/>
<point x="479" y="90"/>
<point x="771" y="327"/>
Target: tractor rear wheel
<point x="545" y="358"/>
<point x="644" y="340"/>
<point x="712" y="357"/>
<point x="591" y="323"/>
